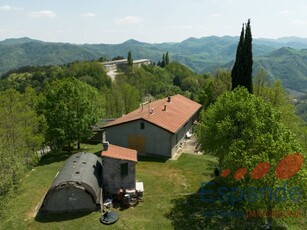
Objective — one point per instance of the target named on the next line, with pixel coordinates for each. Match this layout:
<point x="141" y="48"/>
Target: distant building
<point x="118" y="168"/>
<point x="118" y="65"/>
<point x="156" y="128"/>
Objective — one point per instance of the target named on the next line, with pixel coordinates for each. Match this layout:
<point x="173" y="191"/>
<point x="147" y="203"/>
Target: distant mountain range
<point x="283" y="58"/>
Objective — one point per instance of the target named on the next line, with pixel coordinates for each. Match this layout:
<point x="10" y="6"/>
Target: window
<point x="142" y="125"/>
<point x="124" y="169"/>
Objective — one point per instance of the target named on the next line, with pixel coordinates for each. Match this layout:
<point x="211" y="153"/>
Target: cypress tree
<point x="163" y="61"/>
<point x="248" y="58"/>
<point x="241" y="73"/>
<point x="166" y="59"/>
<point x="130" y="62"/>
<point x="237" y="68"/>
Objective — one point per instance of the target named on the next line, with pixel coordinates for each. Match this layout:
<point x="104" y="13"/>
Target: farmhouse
<point x="156" y="128"/>
<point x="76" y="187"/>
<point x="118" y="165"/>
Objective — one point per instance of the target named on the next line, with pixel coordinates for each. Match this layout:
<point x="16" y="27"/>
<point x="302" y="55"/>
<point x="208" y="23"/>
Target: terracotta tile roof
<point x="178" y="111"/>
<point x="121" y="153"/>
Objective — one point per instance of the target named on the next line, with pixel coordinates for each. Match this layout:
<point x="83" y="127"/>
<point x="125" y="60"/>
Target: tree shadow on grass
<point x="53" y="157"/>
<point x="204" y="210"/>
<point x="152" y="159"/>
<point x="46" y="218"/>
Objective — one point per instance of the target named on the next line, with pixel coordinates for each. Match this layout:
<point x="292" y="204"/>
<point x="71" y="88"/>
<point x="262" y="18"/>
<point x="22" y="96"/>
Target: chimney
<point x="103" y="135"/>
<point x="164" y="109"/>
<point x="105" y="146"/>
<point x="168" y="99"/>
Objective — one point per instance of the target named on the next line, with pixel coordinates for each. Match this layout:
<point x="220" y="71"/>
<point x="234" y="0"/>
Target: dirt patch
<point x="36" y="206"/>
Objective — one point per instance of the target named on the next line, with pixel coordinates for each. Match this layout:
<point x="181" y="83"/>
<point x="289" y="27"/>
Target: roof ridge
<point x="177" y="111"/>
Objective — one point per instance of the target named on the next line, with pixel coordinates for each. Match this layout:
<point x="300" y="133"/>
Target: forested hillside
<point x="287" y="64"/>
<point x="202" y="55"/>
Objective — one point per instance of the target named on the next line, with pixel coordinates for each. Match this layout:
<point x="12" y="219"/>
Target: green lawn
<point x="169" y="196"/>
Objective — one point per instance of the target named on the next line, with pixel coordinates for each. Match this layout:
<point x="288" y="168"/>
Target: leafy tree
<point x="130" y="97"/>
<point x="21" y="137"/>
<point x="90" y="72"/>
<point x="275" y="94"/>
<point x="102" y="59"/>
<point x="242" y="70"/>
<point x="118" y="58"/>
<point x="71" y="107"/>
<point x="261" y="83"/>
<point x="19" y="124"/>
<point x="33" y="76"/>
<point x="11" y="172"/>
<point x="121" y="99"/>
<point x="190" y="84"/>
<point x="179" y="72"/>
<point x="242" y="130"/>
<point x="214" y="86"/>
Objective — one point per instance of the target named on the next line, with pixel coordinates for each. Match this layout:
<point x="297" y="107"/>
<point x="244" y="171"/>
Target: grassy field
<point x="170" y="198"/>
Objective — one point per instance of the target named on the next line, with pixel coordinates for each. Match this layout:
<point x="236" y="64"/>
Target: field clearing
<point x="171" y="194"/>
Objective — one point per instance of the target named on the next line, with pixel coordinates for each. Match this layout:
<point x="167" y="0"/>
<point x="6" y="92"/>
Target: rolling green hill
<point x="200" y="54"/>
<point x="287" y="64"/>
<point x="22" y="52"/>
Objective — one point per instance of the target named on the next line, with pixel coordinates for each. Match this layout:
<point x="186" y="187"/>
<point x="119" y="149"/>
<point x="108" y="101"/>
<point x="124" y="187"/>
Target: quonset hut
<point x="76" y="187"/>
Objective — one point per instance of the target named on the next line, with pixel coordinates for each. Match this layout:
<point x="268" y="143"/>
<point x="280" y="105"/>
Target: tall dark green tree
<point x="130" y="61"/>
<point x="241" y="73"/>
<point x="248" y="58"/>
<point x="166" y="59"/>
<point x="163" y="61"/>
<point x="236" y="73"/>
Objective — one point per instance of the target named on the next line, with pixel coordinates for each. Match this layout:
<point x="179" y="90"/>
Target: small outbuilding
<point x="76" y="187"/>
<point x="118" y="164"/>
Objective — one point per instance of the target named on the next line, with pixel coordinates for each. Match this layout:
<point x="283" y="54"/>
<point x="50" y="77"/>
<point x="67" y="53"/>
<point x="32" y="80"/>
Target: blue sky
<point x="107" y="21"/>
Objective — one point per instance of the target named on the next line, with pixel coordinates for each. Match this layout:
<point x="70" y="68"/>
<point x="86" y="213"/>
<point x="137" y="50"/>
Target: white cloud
<point x="88" y="15"/>
<point x="284" y="12"/>
<point x="5" y="8"/>
<point x="8" y="8"/>
<point x="6" y="33"/>
<point x="299" y="22"/>
<point x="42" y="14"/>
<point x="184" y="27"/>
<point x="128" y="20"/>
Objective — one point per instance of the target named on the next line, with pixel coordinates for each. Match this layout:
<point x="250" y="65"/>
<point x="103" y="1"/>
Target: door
<point x="137" y="143"/>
